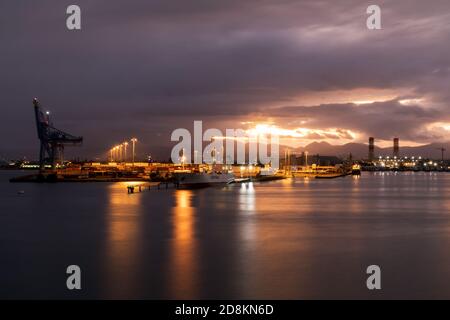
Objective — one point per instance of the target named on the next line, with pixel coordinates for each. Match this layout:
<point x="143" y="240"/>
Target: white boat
<point x="202" y="179"/>
<point x="268" y="171"/>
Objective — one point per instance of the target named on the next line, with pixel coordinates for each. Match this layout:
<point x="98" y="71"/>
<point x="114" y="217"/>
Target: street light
<point x="125" y="144"/>
<point x="120" y="152"/>
<point x="214" y="155"/>
<point x="111" y="154"/>
<point x="183" y="159"/>
<point x="116" y="153"/>
<point x="134" y="140"/>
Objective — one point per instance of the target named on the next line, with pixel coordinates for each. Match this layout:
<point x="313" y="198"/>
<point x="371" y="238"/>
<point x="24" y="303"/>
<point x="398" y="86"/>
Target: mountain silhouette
<point x="360" y="150"/>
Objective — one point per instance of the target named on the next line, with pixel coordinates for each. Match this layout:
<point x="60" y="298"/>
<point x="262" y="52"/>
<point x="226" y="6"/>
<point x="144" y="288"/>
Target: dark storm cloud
<point x="147" y="67"/>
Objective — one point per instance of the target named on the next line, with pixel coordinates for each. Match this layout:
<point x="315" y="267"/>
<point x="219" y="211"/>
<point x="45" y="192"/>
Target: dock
<point x="148" y="186"/>
<point x="56" y="178"/>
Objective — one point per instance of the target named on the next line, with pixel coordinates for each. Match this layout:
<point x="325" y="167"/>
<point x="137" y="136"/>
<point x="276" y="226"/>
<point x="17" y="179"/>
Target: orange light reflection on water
<point x="183" y="248"/>
<point x="122" y="245"/>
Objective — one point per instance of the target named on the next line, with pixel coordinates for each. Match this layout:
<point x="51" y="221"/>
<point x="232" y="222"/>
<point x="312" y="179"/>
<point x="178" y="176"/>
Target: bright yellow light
<point x="409" y="102"/>
<point x="266" y="129"/>
<point x="439" y="126"/>
<point x="364" y="102"/>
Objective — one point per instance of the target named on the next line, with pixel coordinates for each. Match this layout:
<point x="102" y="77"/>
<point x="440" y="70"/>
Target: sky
<point x="143" y="68"/>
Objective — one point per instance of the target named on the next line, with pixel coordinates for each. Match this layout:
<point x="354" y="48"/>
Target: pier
<point x="147" y="186"/>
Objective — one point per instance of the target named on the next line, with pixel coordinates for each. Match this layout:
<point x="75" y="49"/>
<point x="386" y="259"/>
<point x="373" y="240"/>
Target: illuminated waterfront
<point x="293" y="238"/>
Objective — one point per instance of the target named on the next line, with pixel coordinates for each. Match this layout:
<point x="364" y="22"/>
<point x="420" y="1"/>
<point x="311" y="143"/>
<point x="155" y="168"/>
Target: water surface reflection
<point x="183" y="271"/>
<point x="122" y="242"/>
<point x="296" y="239"/>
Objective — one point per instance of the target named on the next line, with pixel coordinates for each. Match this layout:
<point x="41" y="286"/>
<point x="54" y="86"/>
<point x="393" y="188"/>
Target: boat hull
<point x="202" y="180"/>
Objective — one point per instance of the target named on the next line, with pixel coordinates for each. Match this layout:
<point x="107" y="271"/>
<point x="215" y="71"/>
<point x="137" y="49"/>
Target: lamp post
<point x="111" y="154"/>
<point x="195" y="157"/>
<point x="120" y="152"/>
<point x="134" y="140"/>
<point x="125" y="145"/>
<point x="183" y="159"/>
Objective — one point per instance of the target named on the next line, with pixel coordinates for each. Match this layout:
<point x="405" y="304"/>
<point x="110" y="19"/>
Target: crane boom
<point x="52" y="140"/>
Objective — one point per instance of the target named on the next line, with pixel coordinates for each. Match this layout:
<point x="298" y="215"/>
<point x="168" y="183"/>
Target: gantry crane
<point x="52" y="140"/>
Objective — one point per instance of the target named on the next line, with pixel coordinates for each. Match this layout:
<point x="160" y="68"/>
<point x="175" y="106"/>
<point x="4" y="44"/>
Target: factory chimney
<point x="371" y="148"/>
<point x="396" y="148"/>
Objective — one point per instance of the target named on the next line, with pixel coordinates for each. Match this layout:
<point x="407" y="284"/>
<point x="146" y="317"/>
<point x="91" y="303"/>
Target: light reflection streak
<point x="247" y="198"/>
<point x="183" y="249"/>
<point x="247" y="207"/>
<point x="122" y="241"/>
<point x="265" y="231"/>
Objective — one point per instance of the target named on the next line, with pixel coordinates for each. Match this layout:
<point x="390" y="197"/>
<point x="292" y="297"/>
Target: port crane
<point x="52" y="140"/>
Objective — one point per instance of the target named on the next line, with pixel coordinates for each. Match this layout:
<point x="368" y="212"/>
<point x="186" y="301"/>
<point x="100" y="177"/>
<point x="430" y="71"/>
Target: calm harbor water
<point x="290" y="239"/>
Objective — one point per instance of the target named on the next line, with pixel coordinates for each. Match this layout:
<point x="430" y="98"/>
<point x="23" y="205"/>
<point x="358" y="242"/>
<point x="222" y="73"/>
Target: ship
<point x="356" y="169"/>
<point x="321" y="172"/>
<point x="268" y="174"/>
<point x="186" y="180"/>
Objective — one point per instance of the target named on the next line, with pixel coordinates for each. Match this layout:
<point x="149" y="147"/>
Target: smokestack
<point x="396" y="147"/>
<point x="371" y="148"/>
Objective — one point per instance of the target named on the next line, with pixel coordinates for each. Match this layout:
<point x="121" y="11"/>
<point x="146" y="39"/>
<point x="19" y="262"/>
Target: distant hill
<point x="360" y="150"/>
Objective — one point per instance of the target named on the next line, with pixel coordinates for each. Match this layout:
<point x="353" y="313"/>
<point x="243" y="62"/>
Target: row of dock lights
<point x="405" y="161"/>
<point x="119" y="152"/>
<point x="395" y="157"/>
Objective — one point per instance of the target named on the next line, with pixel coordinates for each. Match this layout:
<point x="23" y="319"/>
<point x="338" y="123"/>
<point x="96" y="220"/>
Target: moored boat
<point x="356" y="169"/>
